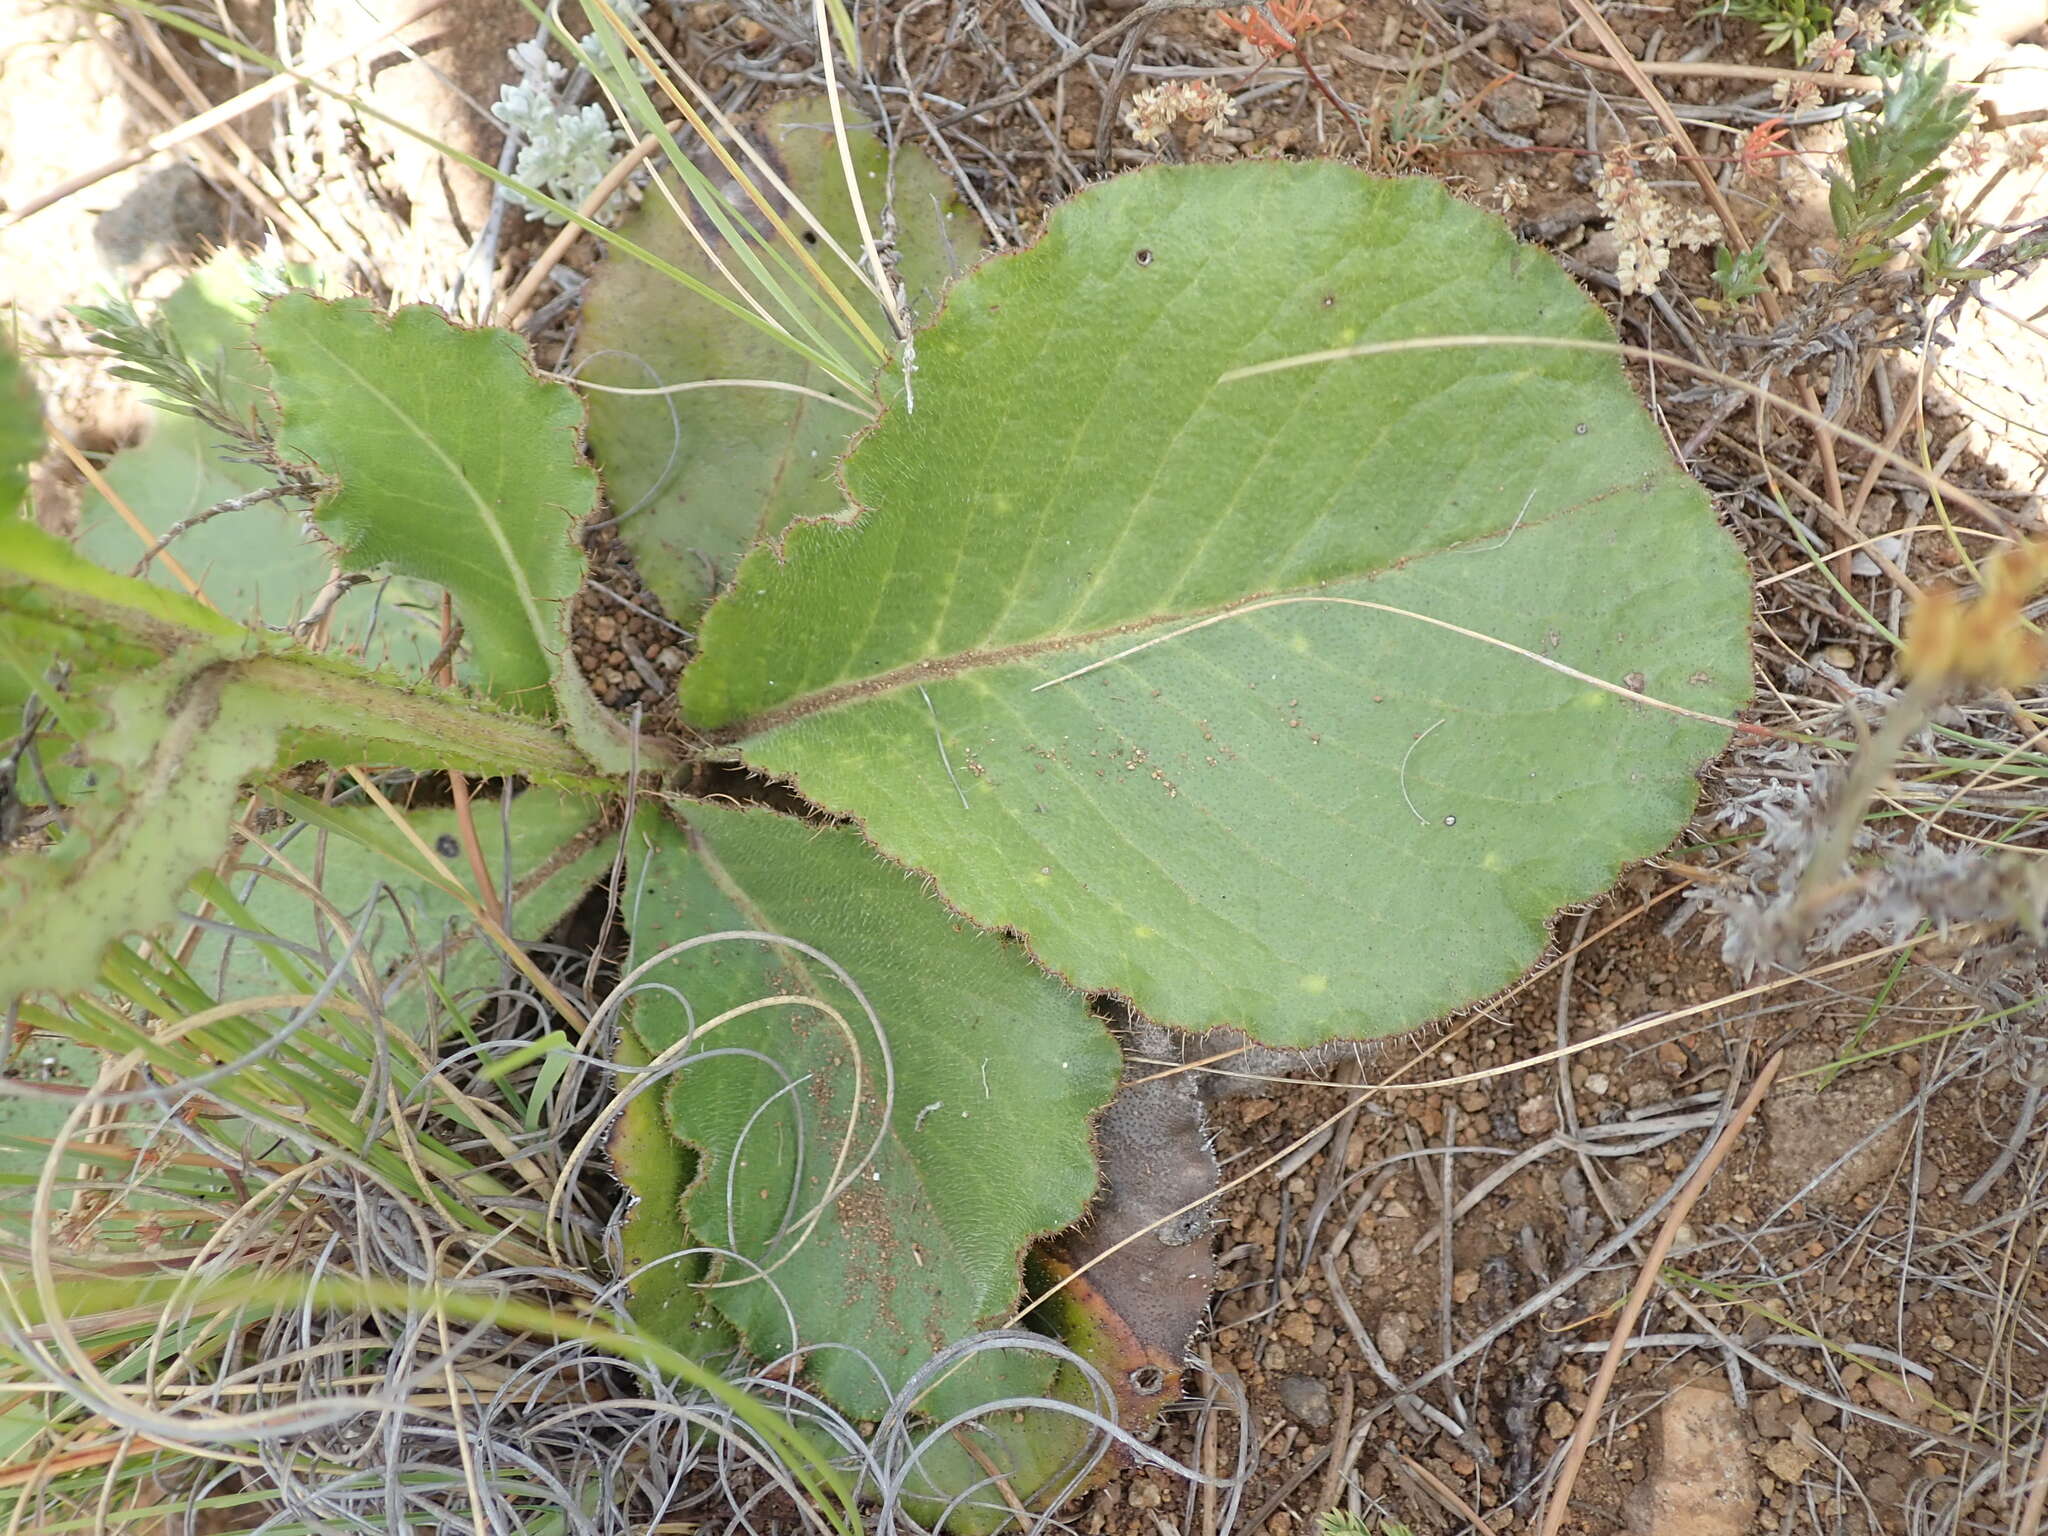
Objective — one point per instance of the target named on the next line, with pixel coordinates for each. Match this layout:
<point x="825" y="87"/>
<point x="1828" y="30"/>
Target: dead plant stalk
<point x="1559" y="1504"/>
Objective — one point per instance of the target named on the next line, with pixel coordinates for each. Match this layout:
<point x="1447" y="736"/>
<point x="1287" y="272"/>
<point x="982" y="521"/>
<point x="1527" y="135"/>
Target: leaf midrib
<point x="515" y="569"/>
<point x="939" y="668"/>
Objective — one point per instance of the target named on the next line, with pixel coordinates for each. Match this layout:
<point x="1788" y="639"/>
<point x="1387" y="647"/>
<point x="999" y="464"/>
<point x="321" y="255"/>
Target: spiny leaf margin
<point x="451" y="460"/>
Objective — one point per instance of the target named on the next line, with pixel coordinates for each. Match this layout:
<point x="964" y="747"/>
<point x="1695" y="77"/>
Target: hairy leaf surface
<point x="455" y="462"/>
<point x="166" y="709"/>
<point x="1308" y="819"/>
<point x="259" y="564"/>
<point x="417" y="932"/>
<point x="996" y="1071"/>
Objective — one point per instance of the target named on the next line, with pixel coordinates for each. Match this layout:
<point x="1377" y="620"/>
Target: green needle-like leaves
<point x="1313" y="817"/>
<point x="886" y="1187"/>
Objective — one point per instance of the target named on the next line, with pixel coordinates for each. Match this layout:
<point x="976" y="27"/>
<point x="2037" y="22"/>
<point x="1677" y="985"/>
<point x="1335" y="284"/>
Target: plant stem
<point x="468" y="737"/>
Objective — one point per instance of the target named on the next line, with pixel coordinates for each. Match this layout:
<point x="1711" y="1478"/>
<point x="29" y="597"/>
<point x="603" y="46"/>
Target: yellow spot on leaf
<point x="1315" y="986"/>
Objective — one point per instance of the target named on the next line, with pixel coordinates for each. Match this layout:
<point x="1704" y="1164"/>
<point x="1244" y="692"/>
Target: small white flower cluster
<point x="2026" y="149"/>
<point x="1835" y="51"/>
<point x="1869" y="27"/>
<point x="1646" y="223"/>
<point x="1157" y="108"/>
<point x="568" y="150"/>
<point x="1831" y="54"/>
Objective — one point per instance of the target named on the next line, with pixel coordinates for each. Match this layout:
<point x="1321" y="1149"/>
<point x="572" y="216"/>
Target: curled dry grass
<point x="347" y="1280"/>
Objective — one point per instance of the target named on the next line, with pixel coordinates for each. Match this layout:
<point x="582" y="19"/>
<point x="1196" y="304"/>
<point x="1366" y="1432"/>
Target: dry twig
<point x="1559" y="1504"/>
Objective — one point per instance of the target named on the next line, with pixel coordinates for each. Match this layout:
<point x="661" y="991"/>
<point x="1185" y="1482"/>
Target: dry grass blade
<point x="1810" y="413"/>
<point x="235" y="106"/>
<point x="1647" y="1278"/>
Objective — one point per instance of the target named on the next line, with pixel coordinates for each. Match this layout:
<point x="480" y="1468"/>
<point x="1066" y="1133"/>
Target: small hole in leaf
<point x="1581" y="429"/>
<point x="1329" y="301"/>
<point x="810" y="237"/>
<point x="1148" y="1381"/>
<point x="1144" y="256"/>
<point x="446" y="846"/>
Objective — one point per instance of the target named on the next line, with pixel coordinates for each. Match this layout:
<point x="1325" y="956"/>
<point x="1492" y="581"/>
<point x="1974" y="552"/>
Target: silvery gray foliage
<point x="1786" y="797"/>
<point x="569" y="147"/>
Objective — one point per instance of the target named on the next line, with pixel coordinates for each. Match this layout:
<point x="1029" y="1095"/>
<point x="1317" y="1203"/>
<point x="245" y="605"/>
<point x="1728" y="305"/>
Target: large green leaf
<point x="168" y="709"/>
<point x="260" y="564"/>
<point x="701" y="475"/>
<point x="997" y="1069"/>
<point x="50" y="1071"/>
<point x="1310" y="820"/>
<point x="419" y="934"/>
<point x="453" y="461"/>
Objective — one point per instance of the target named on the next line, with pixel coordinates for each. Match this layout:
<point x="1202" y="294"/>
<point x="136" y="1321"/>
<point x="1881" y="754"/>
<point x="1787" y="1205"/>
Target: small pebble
<point x="1393" y="1335"/>
<point x="1516" y="106"/>
<point x="1535" y="1115"/>
<point x="1306" y="1399"/>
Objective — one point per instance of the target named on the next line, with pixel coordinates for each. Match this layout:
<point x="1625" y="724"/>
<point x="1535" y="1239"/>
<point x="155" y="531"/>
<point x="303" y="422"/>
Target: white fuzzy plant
<point x="568" y="148"/>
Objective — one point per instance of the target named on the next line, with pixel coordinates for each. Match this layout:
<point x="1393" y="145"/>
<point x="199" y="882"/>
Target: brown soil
<point x="1814" y="1296"/>
<point x="625" y="643"/>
